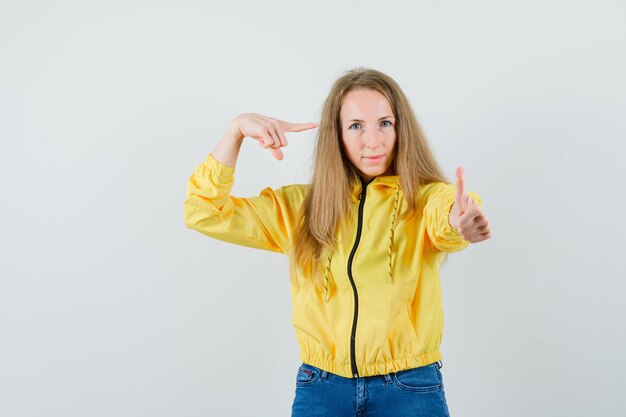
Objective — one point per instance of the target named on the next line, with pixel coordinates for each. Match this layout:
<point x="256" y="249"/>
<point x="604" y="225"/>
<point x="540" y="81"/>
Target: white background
<point x="110" y="306"/>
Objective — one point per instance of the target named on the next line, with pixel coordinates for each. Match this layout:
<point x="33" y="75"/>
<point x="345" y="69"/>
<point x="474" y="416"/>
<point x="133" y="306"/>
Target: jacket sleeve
<point x="260" y="222"/>
<point x="440" y="200"/>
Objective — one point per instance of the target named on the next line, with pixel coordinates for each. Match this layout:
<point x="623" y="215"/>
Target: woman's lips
<point x="376" y="158"/>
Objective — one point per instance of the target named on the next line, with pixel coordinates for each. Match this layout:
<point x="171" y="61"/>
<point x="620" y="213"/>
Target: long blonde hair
<point x="334" y="175"/>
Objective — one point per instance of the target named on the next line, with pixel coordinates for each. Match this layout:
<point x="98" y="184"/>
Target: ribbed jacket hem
<point x="373" y="368"/>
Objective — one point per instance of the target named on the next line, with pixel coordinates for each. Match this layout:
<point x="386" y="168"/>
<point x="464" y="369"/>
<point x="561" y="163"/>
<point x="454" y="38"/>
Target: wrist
<point x="452" y="218"/>
<point x="234" y="132"/>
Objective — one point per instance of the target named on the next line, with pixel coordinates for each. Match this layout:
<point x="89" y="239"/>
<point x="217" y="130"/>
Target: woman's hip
<point x="411" y="392"/>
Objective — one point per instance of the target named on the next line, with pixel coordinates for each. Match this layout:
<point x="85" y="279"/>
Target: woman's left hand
<point x="466" y="216"/>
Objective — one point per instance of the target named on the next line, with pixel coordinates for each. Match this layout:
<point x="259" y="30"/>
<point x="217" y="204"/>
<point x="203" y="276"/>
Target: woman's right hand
<point x="267" y="131"/>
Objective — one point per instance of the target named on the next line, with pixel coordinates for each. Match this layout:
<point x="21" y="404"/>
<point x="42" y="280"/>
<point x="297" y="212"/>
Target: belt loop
<point x="439" y="364"/>
<point x="324" y="374"/>
<point x="387" y="379"/>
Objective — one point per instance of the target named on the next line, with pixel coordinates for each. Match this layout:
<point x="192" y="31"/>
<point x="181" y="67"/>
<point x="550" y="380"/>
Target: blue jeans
<point x="412" y="392"/>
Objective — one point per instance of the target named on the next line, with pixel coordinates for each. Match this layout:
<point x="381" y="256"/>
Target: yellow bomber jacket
<point x="380" y="309"/>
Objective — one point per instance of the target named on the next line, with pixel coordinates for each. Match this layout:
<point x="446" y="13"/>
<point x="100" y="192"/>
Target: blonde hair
<point x="334" y="175"/>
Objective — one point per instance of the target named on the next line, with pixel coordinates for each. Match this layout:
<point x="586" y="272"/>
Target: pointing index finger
<point x="298" y="127"/>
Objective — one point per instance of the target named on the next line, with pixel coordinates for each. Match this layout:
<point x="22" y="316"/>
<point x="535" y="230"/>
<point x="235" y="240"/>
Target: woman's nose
<point x="372" y="139"/>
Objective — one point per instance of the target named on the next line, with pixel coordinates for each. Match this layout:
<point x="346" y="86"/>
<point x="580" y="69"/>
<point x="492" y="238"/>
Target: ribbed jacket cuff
<point x="222" y="172"/>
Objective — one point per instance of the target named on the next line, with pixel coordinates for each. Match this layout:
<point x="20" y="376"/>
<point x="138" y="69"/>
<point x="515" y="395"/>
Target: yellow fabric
<point x="399" y="320"/>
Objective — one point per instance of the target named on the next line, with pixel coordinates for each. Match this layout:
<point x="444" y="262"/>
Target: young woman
<point x="365" y="240"/>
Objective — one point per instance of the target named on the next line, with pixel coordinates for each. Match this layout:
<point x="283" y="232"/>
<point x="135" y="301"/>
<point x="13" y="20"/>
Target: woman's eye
<point x="358" y="124"/>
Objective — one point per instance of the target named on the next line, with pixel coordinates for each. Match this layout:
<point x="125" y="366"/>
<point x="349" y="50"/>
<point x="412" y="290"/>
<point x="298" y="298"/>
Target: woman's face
<point x="368" y="131"/>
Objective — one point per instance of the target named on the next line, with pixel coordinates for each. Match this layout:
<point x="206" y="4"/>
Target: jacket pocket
<point x="307" y="375"/>
<point x="422" y="379"/>
<point x="414" y="344"/>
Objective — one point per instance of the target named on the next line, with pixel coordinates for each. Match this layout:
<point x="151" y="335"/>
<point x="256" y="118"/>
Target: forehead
<point x="361" y="103"/>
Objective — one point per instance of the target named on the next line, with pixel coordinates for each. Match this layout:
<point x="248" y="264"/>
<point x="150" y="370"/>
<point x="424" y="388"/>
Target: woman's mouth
<point x="374" y="158"/>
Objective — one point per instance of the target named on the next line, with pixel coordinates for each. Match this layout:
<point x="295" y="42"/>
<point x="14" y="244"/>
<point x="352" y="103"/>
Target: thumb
<point x="460" y="189"/>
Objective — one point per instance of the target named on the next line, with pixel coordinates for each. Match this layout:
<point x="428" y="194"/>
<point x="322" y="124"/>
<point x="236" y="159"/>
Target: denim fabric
<point x="412" y="392"/>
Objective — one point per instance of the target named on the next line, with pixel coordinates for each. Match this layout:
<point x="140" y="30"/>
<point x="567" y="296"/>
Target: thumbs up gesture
<point x="466" y="216"/>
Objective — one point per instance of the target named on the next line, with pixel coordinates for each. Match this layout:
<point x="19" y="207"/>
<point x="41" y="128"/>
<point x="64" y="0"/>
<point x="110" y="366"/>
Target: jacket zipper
<point x="355" y="371"/>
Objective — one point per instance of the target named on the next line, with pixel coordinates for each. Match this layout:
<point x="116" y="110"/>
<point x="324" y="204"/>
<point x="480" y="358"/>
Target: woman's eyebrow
<point x="384" y="117"/>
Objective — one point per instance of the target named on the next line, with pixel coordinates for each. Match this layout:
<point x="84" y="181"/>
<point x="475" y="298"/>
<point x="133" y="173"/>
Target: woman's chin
<point x="369" y="172"/>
